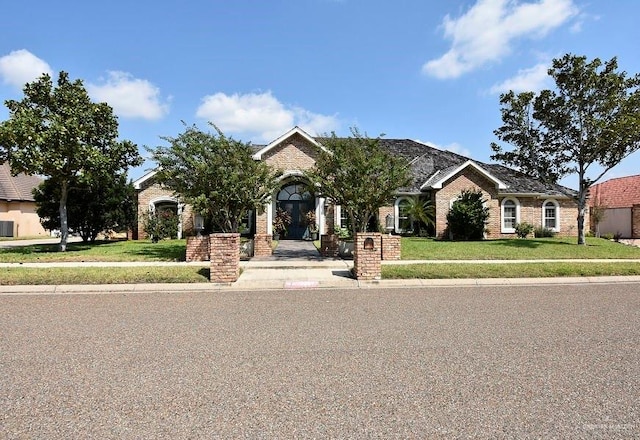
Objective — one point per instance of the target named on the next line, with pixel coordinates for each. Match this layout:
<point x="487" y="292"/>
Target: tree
<point x="467" y="218"/>
<point x="359" y="175"/>
<point x="105" y="204"/>
<point x="58" y="133"/>
<point x="592" y="118"/>
<point x="216" y="175"/>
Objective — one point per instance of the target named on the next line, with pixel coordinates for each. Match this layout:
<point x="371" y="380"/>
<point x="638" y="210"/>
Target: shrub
<point x="468" y="216"/>
<point x="607" y="236"/>
<point x="542" y="232"/>
<point x="161" y="224"/>
<point x="524" y="229"/>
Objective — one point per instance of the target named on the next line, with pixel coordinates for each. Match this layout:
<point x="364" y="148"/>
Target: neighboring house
<point x="18" y="217"/>
<point x="620" y="199"/>
<point x="512" y="197"/>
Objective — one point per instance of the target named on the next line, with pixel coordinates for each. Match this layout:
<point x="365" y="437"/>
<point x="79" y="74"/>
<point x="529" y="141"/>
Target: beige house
<point x="18" y="217"/>
<point x="512" y="197"/>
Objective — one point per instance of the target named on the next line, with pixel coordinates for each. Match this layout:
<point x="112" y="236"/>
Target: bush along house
<point x="439" y="176"/>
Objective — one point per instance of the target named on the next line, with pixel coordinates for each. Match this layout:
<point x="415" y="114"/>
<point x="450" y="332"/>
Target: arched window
<point x="510" y="215"/>
<point x="295" y="191"/>
<point x="551" y="215"/>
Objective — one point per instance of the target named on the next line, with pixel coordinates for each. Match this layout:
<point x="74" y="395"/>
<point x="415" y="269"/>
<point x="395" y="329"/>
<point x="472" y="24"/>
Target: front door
<point x="296" y="199"/>
<point x="298" y="210"/>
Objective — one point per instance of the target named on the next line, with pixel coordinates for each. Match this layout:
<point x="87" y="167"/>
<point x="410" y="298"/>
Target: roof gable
<point x="17" y="188"/>
<point x="438" y="181"/>
<point x="294" y="131"/>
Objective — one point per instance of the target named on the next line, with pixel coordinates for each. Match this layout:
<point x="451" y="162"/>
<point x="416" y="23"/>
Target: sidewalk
<point x="297" y="274"/>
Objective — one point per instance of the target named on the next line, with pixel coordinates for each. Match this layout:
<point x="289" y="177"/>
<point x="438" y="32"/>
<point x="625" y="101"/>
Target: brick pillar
<point x="225" y="257"/>
<point x="367" y="256"/>
<point x="635" y="221"/>
<point x="198" y="248"/>
<point x="390" y="247"/>
<point x="262" y="245"/>
<point x="329" y="245"/>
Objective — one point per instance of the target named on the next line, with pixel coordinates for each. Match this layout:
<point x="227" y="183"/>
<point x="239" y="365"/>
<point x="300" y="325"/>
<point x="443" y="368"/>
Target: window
<point x="551" y="215"/>
<point x="403" y="219"/>
<point x="341" y="217"/>
<point x="510" y="215"/>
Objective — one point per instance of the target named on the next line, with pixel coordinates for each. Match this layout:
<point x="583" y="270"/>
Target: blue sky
<point x="425" y="70"/>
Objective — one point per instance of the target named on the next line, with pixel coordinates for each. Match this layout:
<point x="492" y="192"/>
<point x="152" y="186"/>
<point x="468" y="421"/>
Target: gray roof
<point x="16" y="188"/>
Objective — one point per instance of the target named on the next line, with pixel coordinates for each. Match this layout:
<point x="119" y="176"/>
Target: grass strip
<point x="103" y="275"/>
<point x="417" y="248"/>
<point x="516" y="270"/>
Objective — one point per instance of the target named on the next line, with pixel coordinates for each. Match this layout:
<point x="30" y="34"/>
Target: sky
<point x="426" y="70"/>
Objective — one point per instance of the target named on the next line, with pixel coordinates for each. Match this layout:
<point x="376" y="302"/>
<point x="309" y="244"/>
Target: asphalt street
<point x="558" y="361"/>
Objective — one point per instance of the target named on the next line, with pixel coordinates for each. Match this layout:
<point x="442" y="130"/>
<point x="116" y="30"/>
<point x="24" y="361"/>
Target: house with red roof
<point x="18" y="217"/>
<point x="620" y="198"/>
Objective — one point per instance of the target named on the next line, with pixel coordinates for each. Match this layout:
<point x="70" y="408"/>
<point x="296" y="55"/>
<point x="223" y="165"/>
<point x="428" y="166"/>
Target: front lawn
<point x="414" y="248"/>
<point x="126" y="250"/>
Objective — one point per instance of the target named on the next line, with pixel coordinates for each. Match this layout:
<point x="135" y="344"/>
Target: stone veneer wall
<point x="367" y="263"/>
<point x="262" y="245"/>
<point x="635" y="221"/>
<point x="225" y="258"/>
<point x="198" y="248"/>
<point x="390" y="247"/>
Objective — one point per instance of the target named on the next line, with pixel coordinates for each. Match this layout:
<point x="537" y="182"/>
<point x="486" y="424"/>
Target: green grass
<point x="414" y="248"/>
<point x="511" y="270"/>
<point x="126" y="250"/>
<point x="109" y="275"/>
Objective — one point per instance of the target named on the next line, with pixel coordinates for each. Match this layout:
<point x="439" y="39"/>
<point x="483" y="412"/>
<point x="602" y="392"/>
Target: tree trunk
<point x="582" y="201"/>
<point x="64" y="224"/>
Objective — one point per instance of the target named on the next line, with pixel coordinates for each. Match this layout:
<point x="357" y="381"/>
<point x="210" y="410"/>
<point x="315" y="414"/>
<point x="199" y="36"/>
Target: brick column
<point x="367" y="256"/>
<point x="390" y="247"/>
<point x="225" y="257"/>
<point x="329" y="245"/>
<point x="198" y="248"/>
<point x="262" y="245"/>
<point x="635" y="221"/>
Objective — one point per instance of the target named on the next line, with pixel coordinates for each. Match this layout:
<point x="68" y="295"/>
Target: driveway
<point x="471" y="362"/>
<point x="18" y="243"/>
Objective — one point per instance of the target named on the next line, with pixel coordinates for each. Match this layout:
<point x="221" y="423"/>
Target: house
<point x="512" y="197"/>
<point x="18" y="217"/>
<point x="620" y="199"/>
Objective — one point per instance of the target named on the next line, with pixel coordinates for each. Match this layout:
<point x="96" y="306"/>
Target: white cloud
<point x="260" y="116"/>
<point x="532" y="79"/>
<point x="486" y="31"/>
<point x="130" y="97"/>
<point x="21" y="67"/>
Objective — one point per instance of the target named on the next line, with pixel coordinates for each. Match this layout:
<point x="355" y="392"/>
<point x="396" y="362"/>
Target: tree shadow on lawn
<point x="163" y="252"/>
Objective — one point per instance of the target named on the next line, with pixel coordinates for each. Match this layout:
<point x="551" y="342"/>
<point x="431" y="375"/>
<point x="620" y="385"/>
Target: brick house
<point x="511" y="196"/>
<point x="18" y="217"/>
<point x="620" y="198"/>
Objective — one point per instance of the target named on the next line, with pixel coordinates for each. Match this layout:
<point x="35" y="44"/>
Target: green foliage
<point x="161" y="224"/>
<point x="310" y="220"/>
<point x="524" y="229"/>
<point x="281" y="221"/>
<point x="344" y="233"/>
<point x="101" y="205"/>
<point x="590" y="119"/>
<point x="543" y="232"/>
<point x="59" y="133"/>
<point x="359" y="175"/>
<point x="467" y="218"/>
<point x="216" y="175"/>
<point x="422" y="213"/>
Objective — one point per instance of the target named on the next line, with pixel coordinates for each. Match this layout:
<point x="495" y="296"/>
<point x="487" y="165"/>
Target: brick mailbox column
<point x="197" y="248"/>
<point x="367" y="256"/>
<point x="329" y="245"/>
<point x="390" y="247"/>
<point x="225" y="258"/>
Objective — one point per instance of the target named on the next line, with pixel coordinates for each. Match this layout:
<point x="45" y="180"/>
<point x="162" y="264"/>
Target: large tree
<point x="59" y="133"/>
<point x="591" y="118"/>
<point x="107" y="203"/>
<point x="358" y="174"/>
<point x="216" y="174"/>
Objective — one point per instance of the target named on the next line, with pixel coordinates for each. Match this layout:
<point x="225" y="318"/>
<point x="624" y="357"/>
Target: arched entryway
<point x="295" y="198"/>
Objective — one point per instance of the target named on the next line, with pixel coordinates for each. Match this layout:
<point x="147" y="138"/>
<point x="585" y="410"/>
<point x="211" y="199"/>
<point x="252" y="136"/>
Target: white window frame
<point x="338" y="216"/>
<point x="557" y="214"/>
<point x="396" y="214"/>
<point x="503" y="228"/>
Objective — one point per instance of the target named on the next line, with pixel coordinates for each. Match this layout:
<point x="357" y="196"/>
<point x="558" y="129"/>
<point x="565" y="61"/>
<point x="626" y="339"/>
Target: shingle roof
<point x="621" y="192"/>
<point x="16" y="188"/>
